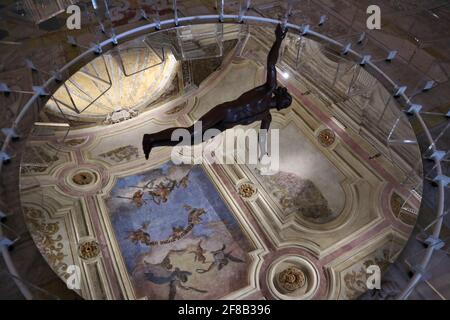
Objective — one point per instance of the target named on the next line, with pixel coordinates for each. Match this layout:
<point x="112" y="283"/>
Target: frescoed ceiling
<point x="142" y="229"/>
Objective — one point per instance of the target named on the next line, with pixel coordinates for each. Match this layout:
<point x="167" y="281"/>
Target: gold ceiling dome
<point x="127" y="79"/>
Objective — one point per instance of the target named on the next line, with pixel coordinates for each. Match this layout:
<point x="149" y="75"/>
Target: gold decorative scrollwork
<point x="88" y="249"/>
<point x="291" y="278"/>
<point x="246" y="190"/>
<point x="326" y="137"/>
<point x="47" y="239"/>
<point x="122" y="153"/>
<point x="355" y="281"/>
<point x="74" y="142"/>
<point x="176" y="109"/>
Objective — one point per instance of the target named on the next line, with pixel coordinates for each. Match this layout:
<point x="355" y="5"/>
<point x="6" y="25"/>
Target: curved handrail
<point x="216" y="18"/>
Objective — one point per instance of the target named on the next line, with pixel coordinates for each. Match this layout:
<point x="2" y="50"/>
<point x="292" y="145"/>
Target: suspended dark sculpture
<point x="251" y="106"/>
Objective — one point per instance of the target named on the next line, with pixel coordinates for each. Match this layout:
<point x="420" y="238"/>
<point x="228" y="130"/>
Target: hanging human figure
<point x="251" y="106"/>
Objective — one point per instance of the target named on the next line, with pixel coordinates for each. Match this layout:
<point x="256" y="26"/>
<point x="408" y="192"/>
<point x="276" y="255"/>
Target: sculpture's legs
<point x="262" y="143"/>
<point x="159" y="139"/>
<point x="164" y="138"/>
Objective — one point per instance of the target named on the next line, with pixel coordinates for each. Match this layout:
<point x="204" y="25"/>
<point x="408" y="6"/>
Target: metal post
<point x="221" y="9"/>
<point x="157" y="18"/>
<point x="243" y="8"/>
<point x="175" y="12"/>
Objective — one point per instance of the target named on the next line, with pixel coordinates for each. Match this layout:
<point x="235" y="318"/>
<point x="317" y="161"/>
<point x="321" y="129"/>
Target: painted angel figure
<point x="175" y="279"/>
<point x="221" y="259"/>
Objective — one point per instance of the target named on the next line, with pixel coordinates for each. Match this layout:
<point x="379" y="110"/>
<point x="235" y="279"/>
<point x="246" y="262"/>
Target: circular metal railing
<point x="304" y="30"/>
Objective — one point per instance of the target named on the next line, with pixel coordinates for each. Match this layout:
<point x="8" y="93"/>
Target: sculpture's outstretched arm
<point x="272" y="58"/>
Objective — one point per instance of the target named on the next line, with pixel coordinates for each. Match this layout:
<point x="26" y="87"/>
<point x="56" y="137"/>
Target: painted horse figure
<point x="251" y="106"/>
